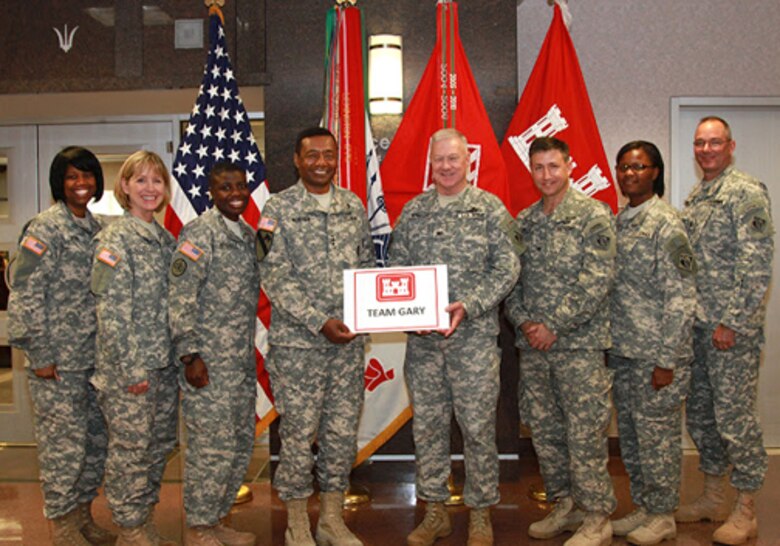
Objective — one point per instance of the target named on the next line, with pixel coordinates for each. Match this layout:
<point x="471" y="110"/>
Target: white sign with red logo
<point x="396" y="299"/>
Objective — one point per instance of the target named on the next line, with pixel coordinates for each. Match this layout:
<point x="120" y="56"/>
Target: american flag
<point x="218" y="130"/>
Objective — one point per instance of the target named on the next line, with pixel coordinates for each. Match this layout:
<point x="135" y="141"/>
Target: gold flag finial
<point x="218" y="3"/>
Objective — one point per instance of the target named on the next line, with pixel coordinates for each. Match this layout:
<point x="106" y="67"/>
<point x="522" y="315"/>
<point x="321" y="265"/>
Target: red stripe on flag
<point x="351" y="104"/>
<point x="172" y="222"/>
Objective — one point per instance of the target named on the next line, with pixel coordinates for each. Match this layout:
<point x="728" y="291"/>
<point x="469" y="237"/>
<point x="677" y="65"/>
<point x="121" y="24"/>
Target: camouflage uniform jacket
<point x="212" y="295"/>
<point x="654" y="296"/>
<point x="474" y="237"/>
<point x="303" y="271"/>
<point x="132" y="309"/>
<point x="51" y="311"/>
<point x="729" y="225"/>
<point x="567" y="271"/>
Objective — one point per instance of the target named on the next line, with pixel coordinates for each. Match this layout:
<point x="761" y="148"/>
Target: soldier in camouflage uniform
<point x="471" y="232"/>
<point x="308" y="235"/>
<point x="51" y="316"/>
<point x="561" y="312"/>
<point x="213" y="290"/>
<point x="135" y="375"/>
<point x="652" y="306"/>
<point x="729" y="223"/>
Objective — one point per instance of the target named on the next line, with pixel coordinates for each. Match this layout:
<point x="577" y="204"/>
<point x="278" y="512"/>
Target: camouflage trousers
<point x="72" y="440"/>
<point x="142" y="432"/>
<point x="220" y="420"/>
<point x="461" y="375"/>
<point x="319" y="395"/>
<point x="722" y="412"/>
<point x="564" y="398"/>
<point x="650" y="427"/>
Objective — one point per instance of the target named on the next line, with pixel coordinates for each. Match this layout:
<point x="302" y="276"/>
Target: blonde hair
<point x="136" y="163"/>
<point x="451" y="133"/>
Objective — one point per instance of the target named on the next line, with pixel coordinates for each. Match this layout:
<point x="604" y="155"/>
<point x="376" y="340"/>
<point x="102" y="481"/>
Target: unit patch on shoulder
<point x="759" y="223"/>
<point x="108" y="257"/>
<point x="178" y="267"/>
<point x="191" y="251"/>
<point x="512" y="230"/>
<point x="681" y="254"/>
<point x="265" y="236"/>
<point x="34" y="245"/>
<point x="599" y="235"/>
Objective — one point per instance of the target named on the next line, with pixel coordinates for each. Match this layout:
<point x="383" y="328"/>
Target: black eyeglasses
<point x="636" y="167"/>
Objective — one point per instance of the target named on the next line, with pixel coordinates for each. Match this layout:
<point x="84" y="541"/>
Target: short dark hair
<point x="654" y="154"/>
<point x="224" y="167"/>
<point x="545" y="144"/>
<point x="719" y="120"/>
<point x="83" y="160"/>
<point x="312" y="132"/>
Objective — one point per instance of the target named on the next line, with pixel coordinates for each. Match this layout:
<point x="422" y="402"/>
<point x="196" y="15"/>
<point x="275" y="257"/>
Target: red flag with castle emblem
<point x="555" y="103"/>
<point x="447" y="96"/>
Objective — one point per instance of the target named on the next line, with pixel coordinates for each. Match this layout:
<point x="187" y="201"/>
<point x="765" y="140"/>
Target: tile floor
<point x="385" y="521"/>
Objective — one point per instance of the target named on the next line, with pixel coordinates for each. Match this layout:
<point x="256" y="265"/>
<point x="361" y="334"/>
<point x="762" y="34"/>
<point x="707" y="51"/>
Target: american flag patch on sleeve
<point x="266" y="224"/>
<point x="108" y="257"/>
<point x="34" y="245"/>
<point x="191" y="251"/>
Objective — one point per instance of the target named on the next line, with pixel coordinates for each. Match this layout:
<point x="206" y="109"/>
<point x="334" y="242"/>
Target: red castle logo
<point x="375" y="375"/>
<point x="395" y="287"/>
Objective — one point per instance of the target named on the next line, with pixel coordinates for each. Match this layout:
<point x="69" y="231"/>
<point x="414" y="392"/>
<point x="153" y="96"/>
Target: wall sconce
<point x="385" y="74"/>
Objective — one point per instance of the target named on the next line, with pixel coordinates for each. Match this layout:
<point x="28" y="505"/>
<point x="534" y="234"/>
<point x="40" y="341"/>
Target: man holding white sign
<point x="471" y="232"/>
<point x="308" y="235"/>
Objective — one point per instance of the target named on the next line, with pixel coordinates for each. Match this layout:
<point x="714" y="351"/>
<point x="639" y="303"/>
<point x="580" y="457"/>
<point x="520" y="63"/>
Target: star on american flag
<point x="218" y="129"/>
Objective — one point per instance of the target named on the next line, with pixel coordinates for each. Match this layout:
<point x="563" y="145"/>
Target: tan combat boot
<point x="201" y="536"/>
<point x="331" y="529"/>
<point x="298" y="532"/>
<point x="91" y="530"/>
<point x="596" y="530"/>
<point x="621" y="527"/>
<point x="656" y="528"/>
<point x="710" y="505"/>
<point x="435" y="525"/>
<point x="232" y="537"/>
<point x="564" y="517"/>
<point x="66" y="530"/>
<point x="480" y="528"/>
<point x="741" y="524"/>
<point x="134" y="536"/>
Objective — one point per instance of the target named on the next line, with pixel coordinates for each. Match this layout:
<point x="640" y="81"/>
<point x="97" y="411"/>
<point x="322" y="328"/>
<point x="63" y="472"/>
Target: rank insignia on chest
<point x="191" y="251"/>
<point x="602" y="241"/>
<point x="34" y="245"/>
<point x="109" y="258"/>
